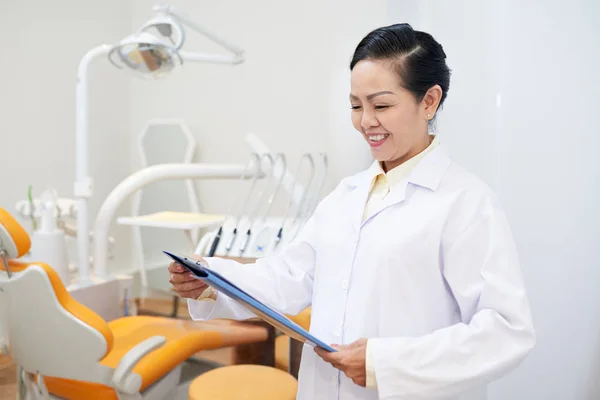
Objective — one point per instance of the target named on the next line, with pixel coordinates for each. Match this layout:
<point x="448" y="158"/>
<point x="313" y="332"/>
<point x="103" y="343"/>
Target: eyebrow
<point x="369" y="97"/>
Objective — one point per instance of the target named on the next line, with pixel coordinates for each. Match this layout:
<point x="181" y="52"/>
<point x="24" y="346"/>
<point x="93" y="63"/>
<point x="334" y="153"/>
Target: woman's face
<point x="392" y="122"/>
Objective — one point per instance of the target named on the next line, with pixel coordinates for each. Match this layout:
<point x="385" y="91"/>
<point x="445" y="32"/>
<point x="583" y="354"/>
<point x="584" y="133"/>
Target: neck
<point x="418" y="147"/>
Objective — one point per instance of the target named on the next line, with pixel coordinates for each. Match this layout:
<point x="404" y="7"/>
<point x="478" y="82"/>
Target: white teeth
<point x="377" y="138"/>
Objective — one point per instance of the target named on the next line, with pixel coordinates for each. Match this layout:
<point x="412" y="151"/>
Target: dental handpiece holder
<point x="48" y="243"/>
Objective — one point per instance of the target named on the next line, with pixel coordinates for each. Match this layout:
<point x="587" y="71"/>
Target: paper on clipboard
<point x="276" y="319"/>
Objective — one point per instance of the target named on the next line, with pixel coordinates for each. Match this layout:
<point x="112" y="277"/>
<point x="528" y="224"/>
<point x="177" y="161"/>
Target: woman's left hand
<point x="350" y="359"/>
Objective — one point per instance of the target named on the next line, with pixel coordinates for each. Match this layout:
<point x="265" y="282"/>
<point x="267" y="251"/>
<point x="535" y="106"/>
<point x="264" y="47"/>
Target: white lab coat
<point x="432" y="279"/>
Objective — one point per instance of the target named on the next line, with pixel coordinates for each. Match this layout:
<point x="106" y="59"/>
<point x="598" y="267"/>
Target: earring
<point x="428" y="115"/>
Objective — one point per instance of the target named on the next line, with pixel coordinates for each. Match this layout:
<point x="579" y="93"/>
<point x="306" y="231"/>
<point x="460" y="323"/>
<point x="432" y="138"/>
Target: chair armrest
<point x="123" y="379"/>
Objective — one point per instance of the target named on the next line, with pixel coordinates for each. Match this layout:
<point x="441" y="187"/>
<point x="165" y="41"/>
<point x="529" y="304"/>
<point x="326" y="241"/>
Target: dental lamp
<point x="152" y="52"/>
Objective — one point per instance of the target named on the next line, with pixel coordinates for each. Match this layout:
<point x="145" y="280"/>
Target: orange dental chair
<point x="66" y="351"/>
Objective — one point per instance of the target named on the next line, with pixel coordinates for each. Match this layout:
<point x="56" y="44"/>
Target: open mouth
<point x="377" y="139"/>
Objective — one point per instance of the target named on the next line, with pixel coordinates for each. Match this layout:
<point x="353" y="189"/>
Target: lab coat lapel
<point x="427" y="174"/>
<point x="397" y="195"/>
<point x="359" y="188"/>
<point x="356" y="206"/>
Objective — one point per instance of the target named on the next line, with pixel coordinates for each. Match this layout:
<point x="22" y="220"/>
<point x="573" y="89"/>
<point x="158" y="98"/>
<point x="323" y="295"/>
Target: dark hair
<point x="419" y="59"/>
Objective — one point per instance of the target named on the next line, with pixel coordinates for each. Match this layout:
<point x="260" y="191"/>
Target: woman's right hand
<point x="184" y="282"/>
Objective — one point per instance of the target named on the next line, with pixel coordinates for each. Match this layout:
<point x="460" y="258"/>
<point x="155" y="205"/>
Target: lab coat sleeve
<point x="481" y="269"/>
<point x="283" y="281"/>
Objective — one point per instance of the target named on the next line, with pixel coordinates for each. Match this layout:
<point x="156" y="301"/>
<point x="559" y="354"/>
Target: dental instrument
<point x="217" y="238"/>
<point x="278" y="156"/>
<point x="311" y="161"/>
<point x="298" y="221"/>
<point x="263" y="233"/>
<point x="152" y="56"/>
<point x="215" y="242"/>
<point x="314" y="202"/>
<point x="290" y="182"/>
<point x="157" y="55"/>
<point x="242" y="210"/>
<point x="259" y="201"/>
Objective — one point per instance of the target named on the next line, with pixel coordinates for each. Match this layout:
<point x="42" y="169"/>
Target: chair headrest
<point x="14" y="239"/>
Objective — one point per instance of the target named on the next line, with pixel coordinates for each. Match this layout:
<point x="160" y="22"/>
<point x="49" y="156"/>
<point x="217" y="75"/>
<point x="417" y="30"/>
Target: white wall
<point x="292" y="90"/>
<point x="42" y="43"/>
<point x="521" y="114"/>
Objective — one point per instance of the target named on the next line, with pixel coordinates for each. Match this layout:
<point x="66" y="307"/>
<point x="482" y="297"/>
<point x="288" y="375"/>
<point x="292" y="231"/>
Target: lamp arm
<point x="211" y="58"/>
<point x="168" y="9"/>
<point x="83" y="186"/>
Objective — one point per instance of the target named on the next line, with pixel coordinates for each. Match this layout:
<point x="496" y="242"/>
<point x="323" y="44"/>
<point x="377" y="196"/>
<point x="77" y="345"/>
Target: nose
<point x="368" y="120"/>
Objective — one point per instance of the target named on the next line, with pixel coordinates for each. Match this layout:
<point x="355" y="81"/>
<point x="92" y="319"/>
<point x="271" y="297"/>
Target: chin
<point x="380" y="156"/>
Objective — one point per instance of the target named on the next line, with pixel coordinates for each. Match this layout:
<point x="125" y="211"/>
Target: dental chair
<point x="66" y="351"/>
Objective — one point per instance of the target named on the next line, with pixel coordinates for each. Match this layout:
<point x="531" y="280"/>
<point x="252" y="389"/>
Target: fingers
<point x="321" y="353"/>
<point x="188" y="286"/>
<point x="357" y="343"/>
<point x="343" y="361"/>
<point x="359" y="381"/>
<point x="184" y="282"/>
<point x="190" y="290"/>
<point x="176" y="268"/>
<point x="328" y="356"/>
<point x="181" y="278"/>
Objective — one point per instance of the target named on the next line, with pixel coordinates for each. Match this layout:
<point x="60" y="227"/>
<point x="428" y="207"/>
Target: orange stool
<point x="244" y="382"/>
<point x="282" y="352"/>
<point x="282" y="342"/>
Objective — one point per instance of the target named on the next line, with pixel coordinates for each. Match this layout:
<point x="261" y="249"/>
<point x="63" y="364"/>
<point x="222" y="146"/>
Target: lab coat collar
<point x="428" y="173"/>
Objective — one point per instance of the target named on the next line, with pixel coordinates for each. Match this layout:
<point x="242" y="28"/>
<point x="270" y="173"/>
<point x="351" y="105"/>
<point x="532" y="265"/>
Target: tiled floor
<point x="206" y="360"/>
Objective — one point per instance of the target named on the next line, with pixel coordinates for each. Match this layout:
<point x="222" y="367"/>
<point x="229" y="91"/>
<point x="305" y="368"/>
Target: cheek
<point x="398" y="122"/>
<point x="393" y="122"/>
<point x="356" y="117"/>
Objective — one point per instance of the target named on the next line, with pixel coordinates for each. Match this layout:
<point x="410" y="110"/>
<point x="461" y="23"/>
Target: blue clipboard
<point x="221" y="284"/>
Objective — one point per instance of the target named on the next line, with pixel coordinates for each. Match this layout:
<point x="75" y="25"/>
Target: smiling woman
<point x="399" y="80"/>
<point x="409" y="266"/>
